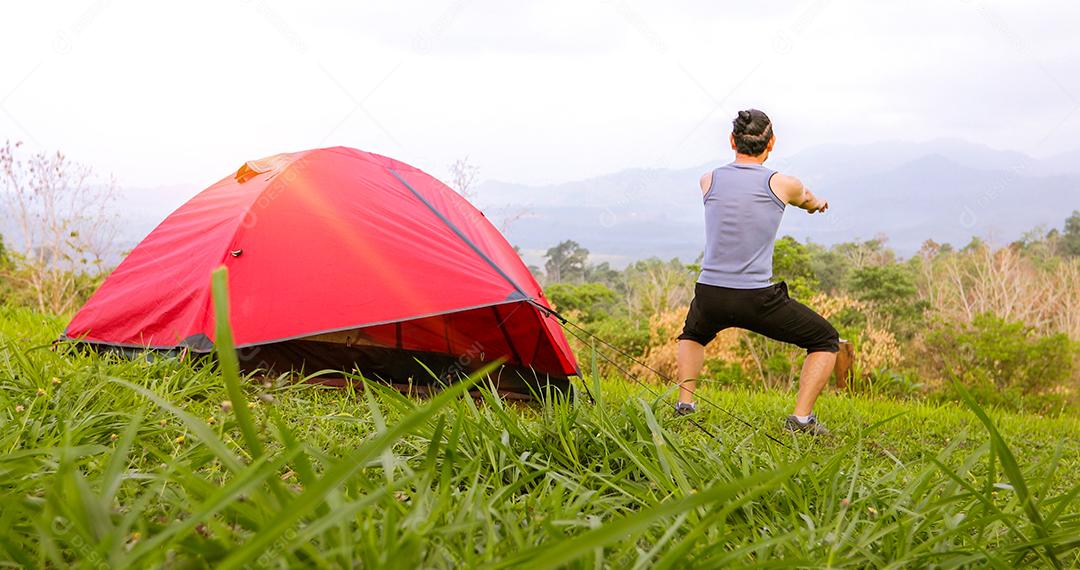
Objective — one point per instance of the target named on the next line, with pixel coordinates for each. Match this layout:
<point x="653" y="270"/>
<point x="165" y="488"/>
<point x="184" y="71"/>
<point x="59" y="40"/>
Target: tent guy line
<point x="568" y="323"/>
<point x="564" y="321"/>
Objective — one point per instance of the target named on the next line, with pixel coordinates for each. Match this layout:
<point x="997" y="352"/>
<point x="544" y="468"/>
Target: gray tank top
<point x="742" y="215"/>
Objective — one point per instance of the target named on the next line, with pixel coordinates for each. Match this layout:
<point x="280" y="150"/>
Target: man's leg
<point x="691" y="359"/>
<point x="815" y="375"/>
<point x="787" y="320"/>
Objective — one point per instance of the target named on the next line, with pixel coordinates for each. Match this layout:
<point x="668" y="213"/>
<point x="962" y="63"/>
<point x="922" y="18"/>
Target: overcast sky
<point x="184" y="92"/>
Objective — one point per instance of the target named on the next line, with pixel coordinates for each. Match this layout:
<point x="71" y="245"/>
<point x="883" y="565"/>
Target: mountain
<point x="947" y="190"/>
<point x="1064" y="163"/>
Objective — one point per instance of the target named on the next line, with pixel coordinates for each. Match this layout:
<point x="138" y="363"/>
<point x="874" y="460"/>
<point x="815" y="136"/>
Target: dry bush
<point x="656" y="287"/>
<point x="960" y="286"/>
<point x="1066" y="281"/>
<point x="662" y="354"/>
<point x="877" y="348"/>
<point x="65" y="230"/>
<point x="829" y="306"/>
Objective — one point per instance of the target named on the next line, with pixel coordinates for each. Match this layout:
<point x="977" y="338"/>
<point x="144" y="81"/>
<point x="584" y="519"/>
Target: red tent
<point x="337" y="259"/>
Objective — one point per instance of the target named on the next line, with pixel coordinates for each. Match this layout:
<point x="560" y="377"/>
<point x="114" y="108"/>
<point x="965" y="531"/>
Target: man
<point x="744" y="202"/>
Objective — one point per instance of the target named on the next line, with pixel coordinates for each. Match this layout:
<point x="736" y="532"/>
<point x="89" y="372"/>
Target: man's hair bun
<point x="753" y="130"/>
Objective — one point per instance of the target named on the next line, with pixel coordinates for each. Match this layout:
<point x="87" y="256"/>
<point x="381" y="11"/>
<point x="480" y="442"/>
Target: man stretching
<point x="744" y="202"/>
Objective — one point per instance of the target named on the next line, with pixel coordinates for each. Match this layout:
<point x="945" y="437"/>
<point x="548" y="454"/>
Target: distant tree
<point x="829" y="266"/>
<point x="65" y="229"/>
<point x="463" y="177"/>
<point x="1071" y="236"/>
<point x="537" y="273"/>
<point x="602" y="273"/>
<point x="891" y="290"/>
<point x="791" y="263"/>
<point x="590" y="300"/>
<point x="566" y="262"/>
<point x="653" y="286"/>
<point x="975" y="245"/>
<point x="931" y="249"/>
<point x="1043" y="247"/>
<point x="863" y="253"/>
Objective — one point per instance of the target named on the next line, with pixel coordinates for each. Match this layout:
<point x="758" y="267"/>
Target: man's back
<point x="744" y="202"/>
<point x="742" y="215"/>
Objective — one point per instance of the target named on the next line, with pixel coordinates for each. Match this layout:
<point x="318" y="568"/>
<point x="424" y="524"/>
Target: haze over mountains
<point x="947" y="190"/>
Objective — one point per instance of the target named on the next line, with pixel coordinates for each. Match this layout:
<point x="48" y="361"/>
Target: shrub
<point x="1006" y="362"/>
<point x="591" y="301"/>
<point x="629" y="336"/>
<point x="792" y="263"/>
<point x="891" y="291"/>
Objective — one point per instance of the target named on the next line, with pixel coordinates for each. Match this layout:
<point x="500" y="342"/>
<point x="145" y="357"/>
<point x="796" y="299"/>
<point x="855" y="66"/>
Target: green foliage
<point x="1071" y="236"/>
<point x="629" y="335"/>
<point x="830" y="267"/>
<point x="833" y="266"/>
<point x="135" y="464"/>
<point x="653" y="286"/>
<point x="566" y="262"/>
<point x="723" y="373"/>
<point x="792" y="263"/>
<point x="891" y="290"/>
<point x="16" y="288"/>
<point x="1006" y="363"/>
<point x="5" y="272"/>
<point x="603" y="273"/>
<point x="591" y="301"/>
<point x="776" y="364"/>
<point x="889" y="383"/>
<point x="884" y="285"/>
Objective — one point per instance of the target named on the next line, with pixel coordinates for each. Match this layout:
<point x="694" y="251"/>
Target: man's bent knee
<point x="698" y="338"/>
<point x="827" y="341"/>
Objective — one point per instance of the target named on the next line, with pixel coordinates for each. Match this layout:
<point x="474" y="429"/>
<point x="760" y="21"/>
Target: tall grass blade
<point x="346" y="467"/>
<point x="230" y="364"/>
<point x="1011" y="469"/>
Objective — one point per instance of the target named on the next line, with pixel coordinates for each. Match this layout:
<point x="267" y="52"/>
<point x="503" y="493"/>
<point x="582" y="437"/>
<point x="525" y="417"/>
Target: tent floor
<point x="412" y="372"/>
<point x="409" y="371"/>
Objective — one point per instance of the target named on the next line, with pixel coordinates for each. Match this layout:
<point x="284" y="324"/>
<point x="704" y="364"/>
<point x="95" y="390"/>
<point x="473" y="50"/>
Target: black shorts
<point x="768" y="311"/>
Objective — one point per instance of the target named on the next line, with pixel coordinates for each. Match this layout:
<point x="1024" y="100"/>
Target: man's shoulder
<point x="706" y="181"/>
<point x="781" y="181"/>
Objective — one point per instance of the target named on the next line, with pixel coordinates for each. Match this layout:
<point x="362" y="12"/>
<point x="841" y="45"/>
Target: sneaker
<point x="812" y="425"/>
<point x="685" y="408"/>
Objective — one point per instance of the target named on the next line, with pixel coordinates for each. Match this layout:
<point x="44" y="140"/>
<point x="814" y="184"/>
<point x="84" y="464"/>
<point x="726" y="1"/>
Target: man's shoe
<point x="812" y="425"/>
<point x="685" y="408"/>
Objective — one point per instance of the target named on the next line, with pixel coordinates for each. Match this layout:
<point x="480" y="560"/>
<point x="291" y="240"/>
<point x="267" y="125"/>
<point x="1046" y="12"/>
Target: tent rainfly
<point x="338" y="259"/>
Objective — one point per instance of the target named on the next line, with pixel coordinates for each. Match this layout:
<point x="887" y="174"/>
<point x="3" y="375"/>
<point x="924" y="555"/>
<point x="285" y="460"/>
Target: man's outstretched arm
<point x="791" y="190"/>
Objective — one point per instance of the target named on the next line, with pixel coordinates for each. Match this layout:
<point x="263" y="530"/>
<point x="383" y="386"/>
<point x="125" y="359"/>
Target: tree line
<point x="1003" y="321"/>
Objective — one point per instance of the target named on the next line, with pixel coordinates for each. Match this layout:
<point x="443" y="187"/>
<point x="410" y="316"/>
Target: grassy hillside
<point x="109" y="463"/>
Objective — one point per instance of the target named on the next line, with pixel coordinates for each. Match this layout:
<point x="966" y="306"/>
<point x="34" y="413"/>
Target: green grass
<point x="121" y="463"/>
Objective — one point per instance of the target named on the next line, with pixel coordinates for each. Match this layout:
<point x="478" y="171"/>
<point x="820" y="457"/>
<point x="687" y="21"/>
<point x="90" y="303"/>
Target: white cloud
<point x="166" y="94"/>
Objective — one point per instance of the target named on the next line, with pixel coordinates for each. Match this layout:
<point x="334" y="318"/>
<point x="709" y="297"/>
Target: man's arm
<point x="790" y="190"/>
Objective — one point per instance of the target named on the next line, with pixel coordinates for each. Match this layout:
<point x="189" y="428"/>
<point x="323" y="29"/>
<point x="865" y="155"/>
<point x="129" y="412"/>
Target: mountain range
<point x="947" y="190"/>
